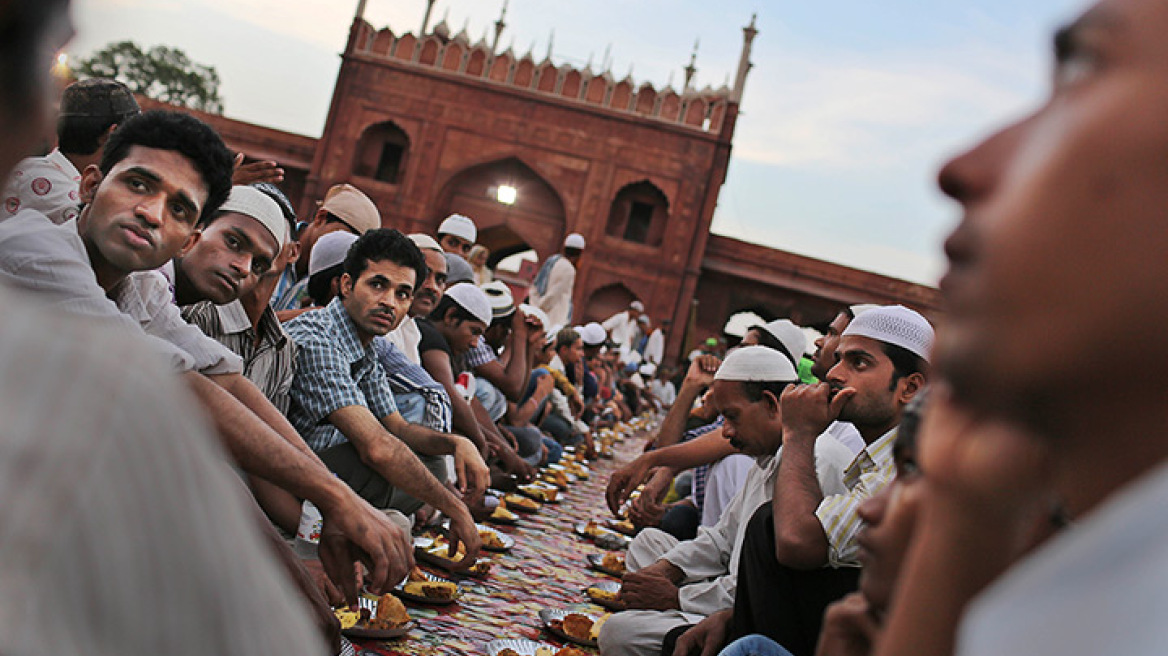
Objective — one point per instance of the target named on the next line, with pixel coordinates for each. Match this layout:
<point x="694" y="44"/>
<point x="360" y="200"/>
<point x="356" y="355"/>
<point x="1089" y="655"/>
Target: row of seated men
<point x="355" y="399"/>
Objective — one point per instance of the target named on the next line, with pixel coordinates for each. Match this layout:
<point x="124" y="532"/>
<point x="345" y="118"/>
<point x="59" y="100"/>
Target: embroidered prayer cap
<point x="574" y="240"/>
<point x="458" y="270"/>
<point x="896" y="325"/>
<point x="757" y="364"/>
<point x="790" y="336"/>
<point x="499" y="294"/>
<point x="329" y="251"/>
<point x="253" y="203"/>
<point x="460" y="226"/>
<point x="98" y="97"/>
<point x="637" y="305"/>
<point x="593" y="334"/>
<point x="352" y="206"/>
<point x="426" y="242"/>
<point x="856" y="309"/>
<point x="472" y="299"/>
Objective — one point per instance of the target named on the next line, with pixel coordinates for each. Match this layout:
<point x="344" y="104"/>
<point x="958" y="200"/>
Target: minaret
<point x="744" y="65"/>
<point x="355" y="28"/>
<point x="692" y="68"/>
<point x="360" y="15"/>
<point x="499" y="27"/>
<point x="551" y="44"/>
<point x="426" y="17"/>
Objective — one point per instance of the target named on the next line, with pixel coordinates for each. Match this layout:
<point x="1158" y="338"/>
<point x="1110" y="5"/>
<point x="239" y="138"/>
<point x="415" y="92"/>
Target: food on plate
<point x="592" y="530"/>
<point x="507" y="652"/>
<point x="545" y="494"/>
<point x="569" y="651"/>
<point x="504" y="514"/>
<point x="557" y="477"/>
<point x="417" y="575"/>
<point x="625" y="526"/>
<point x="480" y="568"/>
<point x="544" y="650"/>
<point x="577" y="626"/>
<point x="601" y="595"/>
<point x="391" y="614"/>
<point x="432" y="589"/>
<point x="347" y="617"/>
<point x="613" y="562"/>
<point x="516" y="501"/>
<point x="491" y="539"/>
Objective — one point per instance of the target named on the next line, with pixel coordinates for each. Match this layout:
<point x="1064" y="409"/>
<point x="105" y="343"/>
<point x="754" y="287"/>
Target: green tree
<point x="161" y="73"/>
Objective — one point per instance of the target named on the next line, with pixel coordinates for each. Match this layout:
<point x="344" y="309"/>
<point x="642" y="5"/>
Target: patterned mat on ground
<point x="547" y="568"/>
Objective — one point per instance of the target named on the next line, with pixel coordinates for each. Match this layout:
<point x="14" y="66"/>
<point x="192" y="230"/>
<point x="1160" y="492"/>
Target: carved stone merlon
<point x="744" y="65"/>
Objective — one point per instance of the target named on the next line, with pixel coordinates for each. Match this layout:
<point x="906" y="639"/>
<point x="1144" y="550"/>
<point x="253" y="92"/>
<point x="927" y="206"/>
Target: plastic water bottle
<point x="308" y="533"/>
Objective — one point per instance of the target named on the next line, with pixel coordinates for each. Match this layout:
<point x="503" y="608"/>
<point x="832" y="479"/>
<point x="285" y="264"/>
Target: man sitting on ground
<point x="342" y="404"/>
<point x="672" y="584"/>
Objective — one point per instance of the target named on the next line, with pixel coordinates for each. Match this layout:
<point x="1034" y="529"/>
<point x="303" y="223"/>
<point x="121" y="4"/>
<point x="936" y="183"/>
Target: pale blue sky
<point x="851" y="107"/>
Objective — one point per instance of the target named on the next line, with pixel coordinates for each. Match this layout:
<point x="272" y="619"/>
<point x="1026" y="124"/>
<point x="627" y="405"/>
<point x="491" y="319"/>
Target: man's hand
<point x="513" y="464"/>
<point x="647" y="510"/>
<point x="849" y="628"/>
<point x="701" y="371"/>
<point x="463" y="530"/>
<point x="252" y="172"/>
<point x="544" y="386"/>
<point x="359" y="532"/>
<point x="809" y="409"/>
<point x="471" y="473"/>
<point x="648" y="590"/>
<point x="623" y="481"/>
<point x="705" y="638"/>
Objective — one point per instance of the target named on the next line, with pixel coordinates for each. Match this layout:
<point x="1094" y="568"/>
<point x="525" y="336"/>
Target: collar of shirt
<point x="233" y="320"/>
<point x="58" y="159"/>
<point x="345" y="336"/>
<point x="876" y="457"/>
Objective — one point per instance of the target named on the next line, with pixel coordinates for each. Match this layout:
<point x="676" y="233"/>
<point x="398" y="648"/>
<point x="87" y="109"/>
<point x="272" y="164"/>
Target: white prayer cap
<point x="861" y="307"/>
<point x="637" y="305"/>
<point x="330" y="250"/>
<point x="648" y="369"/>
<point x="472" y="299"/>
<point x="499" y="294"/>
<point x="532" y="311"/>
<point x="789" y="335"/>
<point x="757" y="364"/>
<point x="253" y="203"/>
<point x="460" y="226"/>
<point x="425" y="242"/>
<point x="551" y="332"/>
<point x="593" y="334"/>
<point x="896" y="325"/>
<point x="574" y="240"/>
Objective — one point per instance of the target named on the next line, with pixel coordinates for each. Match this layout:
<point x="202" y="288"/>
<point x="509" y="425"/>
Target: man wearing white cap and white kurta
<point x="622" y="326"/>
<point x="671" y="584"/>
<point x="551" y="291"/>
<point x="457" y="234"/>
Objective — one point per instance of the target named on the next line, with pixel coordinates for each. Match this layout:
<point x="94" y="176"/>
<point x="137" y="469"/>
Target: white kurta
<point x="557" y="300"/>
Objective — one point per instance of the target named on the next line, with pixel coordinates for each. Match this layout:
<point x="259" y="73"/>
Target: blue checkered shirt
<point x="405" y="377"/>
<point x="479" y="355"/>
<point x="698" y="494"/>
<point x="333" y="371"/>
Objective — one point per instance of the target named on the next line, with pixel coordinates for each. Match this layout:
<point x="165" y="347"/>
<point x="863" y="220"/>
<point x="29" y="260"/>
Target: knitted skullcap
<point x="896" y="325"/>
<point x="757" y="364"/>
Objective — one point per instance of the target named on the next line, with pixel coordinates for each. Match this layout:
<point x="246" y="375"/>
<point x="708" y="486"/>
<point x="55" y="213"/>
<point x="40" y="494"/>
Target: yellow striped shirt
<point x="871" y="470"/>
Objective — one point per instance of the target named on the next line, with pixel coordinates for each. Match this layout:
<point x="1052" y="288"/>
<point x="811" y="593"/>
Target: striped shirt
<point x="51" y="262"/>
<point x="333" y="371"/>
<point x="122" y="528"/>
<point x="270" y="364"/>
<point x="406" y="377"/>
<point x="479" y="355"/>
<point x="871" y="471"/>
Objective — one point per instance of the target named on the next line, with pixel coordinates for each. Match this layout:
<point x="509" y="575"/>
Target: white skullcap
<point x="861" y="307"/>
<point x="255" y="204"/>
<point x="425" y="242"/>
<point x="593" y="334"/>
<point x="553" y="332"/>
<point x="330" y="250"/>
<point x="460" y="226"/>
<point x="532" y="311"/>
<point x="648" y="369"/>
<point x="637" y="305"/>
<point x="499" y="294"/>
<point x="644" y="318"/>
<point x="574" y="240"/>
<point x="896" y="325"/>
<point x="757" y="364"/>
<point x="790" y="335"/>
<point x="351" y="205"/>
<point x="472" y="299"/>
<point x="633" y="357"/>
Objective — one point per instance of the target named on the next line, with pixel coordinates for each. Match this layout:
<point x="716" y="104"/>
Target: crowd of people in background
<point x="191" y="373"/>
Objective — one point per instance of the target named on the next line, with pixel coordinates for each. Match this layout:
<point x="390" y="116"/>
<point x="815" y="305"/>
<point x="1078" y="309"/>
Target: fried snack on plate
<point x="391" y="614"/>
<point x="432" y="589"/>
<point x="578" y="626"/>
<point x="569" y="651"/>
<point x="594" y="632"/>
<point x="613" y="562"/>
<point x="491" y="539"/>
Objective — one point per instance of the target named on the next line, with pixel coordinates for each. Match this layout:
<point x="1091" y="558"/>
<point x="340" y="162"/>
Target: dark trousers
<point x="781" y="603"/>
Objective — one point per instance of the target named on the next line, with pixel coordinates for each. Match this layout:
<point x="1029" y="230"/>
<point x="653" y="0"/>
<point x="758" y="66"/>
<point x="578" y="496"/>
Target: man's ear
<point x="192" y="239"/>
<point x="344" y="285"/>
<point x="772" y="403"/>
<point x="909" y="386"/>
<point x="90" y="180"/>
<point x="293" y="251"/>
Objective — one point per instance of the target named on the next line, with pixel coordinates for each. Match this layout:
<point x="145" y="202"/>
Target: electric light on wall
<point x="506" y="194"/>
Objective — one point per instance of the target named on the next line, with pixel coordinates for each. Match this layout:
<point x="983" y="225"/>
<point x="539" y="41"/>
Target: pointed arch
<point x="639" y="213"/>
<point x="382" y="42"/>
<point x="573" y="82"/>
<point x="607" y="300"/>
<point x="501" y="68"/>
<point x="646" y="100"/>
<point x="452" y="57"/>
<point x="622" y="96"/>
<point x="382" y="152"/>
<point x="597" y="90"/>
<point x="430" y="49"/>
<point x="546" y="78"/>
<point x="524" y="73"/>
<point x="405" y="47"/>
<point x="695" y="112"/>
<point x="670" y="106"/>
<point x="477" y="62"/>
